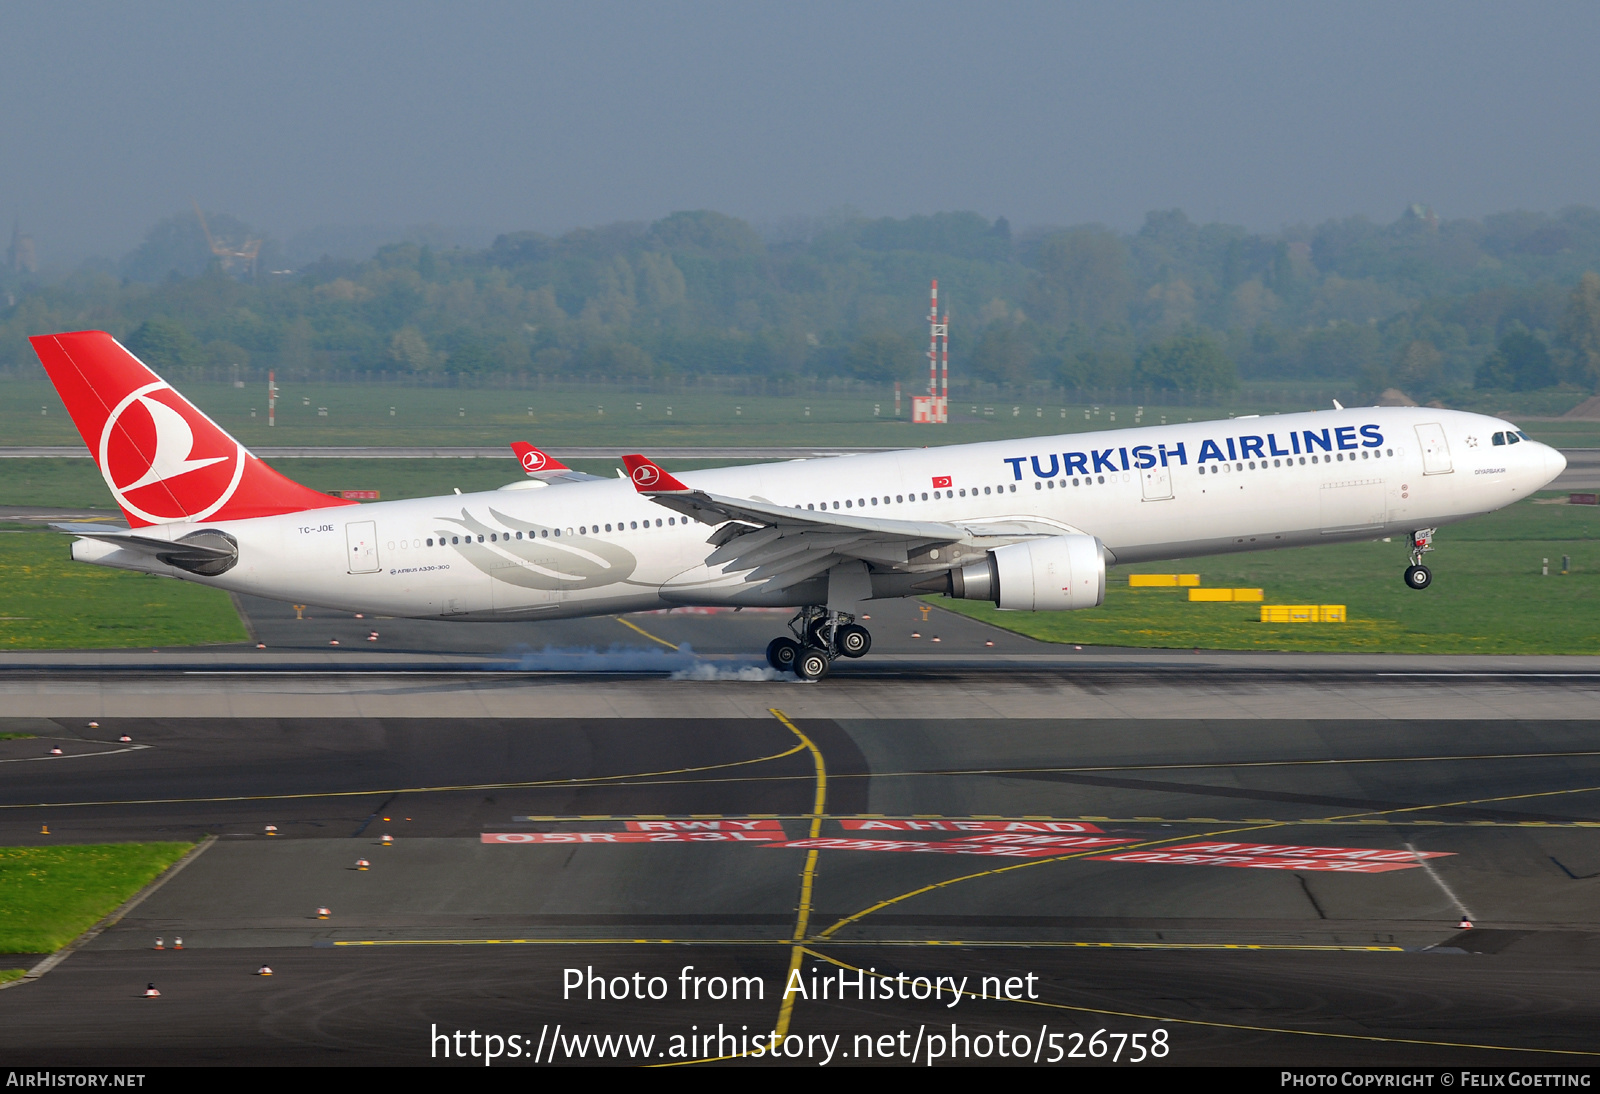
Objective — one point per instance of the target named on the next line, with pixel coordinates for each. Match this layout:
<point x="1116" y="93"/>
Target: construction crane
<point x="227" y="255"/>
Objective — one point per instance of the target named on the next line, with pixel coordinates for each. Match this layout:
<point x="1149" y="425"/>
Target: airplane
<point x="1029" y="525"/>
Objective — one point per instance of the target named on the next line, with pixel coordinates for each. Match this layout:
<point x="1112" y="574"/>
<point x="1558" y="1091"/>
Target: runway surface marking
<point x="656" y="779"/>
<point x="1354" y="860"/>
<point x="960" y="943"/>
<point x="1000" y="845"/>
<point x="880" y="905"/>
<point x="963" y="824"/>
<point x="808" y="873"/>
<point x="635" y="627"/>
<point x="600" y="780"/>
<point x="709" y="825"/>
<point x="74" y="756"/>
<point x="627" y="837"/>
<point x="1223" y="765"/>
<point x="1180" y="857"/>
<point x="847" y="820"/>
<point x="1254" y="1029"/>
<point x="1433" y="875"/>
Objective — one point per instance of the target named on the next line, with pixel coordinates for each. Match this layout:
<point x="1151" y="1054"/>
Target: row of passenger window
<point x="903" y="499"/>
<point x="546" y="533"/>
<point x="1340" y="456"/>
<point x="1087" y="481"/>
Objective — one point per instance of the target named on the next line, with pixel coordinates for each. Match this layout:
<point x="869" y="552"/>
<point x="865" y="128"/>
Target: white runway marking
<point x="77" y="756"/>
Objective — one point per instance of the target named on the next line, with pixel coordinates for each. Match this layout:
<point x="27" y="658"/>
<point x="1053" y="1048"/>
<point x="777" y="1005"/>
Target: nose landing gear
<point x="1419" y="576"/>
<point x="820" y="635"/>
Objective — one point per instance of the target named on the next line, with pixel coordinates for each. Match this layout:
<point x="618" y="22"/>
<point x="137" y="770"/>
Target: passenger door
<point x="1435" y="449"/>
<point x="1157" y="483"/>
<point x="361" y="539"/>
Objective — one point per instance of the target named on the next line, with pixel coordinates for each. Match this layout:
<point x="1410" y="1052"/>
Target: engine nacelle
<point x="1055" y="574"/>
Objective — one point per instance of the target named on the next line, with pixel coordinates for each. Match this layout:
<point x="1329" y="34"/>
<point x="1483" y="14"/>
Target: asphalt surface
<point x="429" y="737"/>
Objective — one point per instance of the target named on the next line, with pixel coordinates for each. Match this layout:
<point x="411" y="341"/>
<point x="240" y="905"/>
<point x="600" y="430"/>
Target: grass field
<point x="47" y="601"/>
<point x="1488" y="595"/>
<point x="50" y="895"/>
<point x="360" y="414"/>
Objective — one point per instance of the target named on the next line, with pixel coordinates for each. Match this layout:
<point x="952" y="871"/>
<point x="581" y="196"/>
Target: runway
<point x="1075" y="816"/>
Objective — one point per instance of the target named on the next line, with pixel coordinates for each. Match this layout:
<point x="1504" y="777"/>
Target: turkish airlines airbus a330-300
<point x="1028" y="524"/>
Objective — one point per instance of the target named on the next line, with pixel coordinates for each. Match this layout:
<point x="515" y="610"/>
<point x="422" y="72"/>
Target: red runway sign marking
<point x="705" y="826"/>
<point x="1369" y="854"/>
<point x="629" y="837"/>
<point x="966" y="826"/>
<point x="976" y="845"/>
<point x="1258" y="862"/>
<point x="1023" y="839"/>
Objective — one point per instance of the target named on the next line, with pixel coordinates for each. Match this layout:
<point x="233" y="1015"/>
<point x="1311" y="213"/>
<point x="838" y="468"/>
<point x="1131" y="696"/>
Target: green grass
<point x="8" y="975"/>
<point x="16" y="736"/>
<point x="50" y="895"/>
<point x="1487" y="595"/>
<point x="359" y="414"/>
<point x="47" y="601"/>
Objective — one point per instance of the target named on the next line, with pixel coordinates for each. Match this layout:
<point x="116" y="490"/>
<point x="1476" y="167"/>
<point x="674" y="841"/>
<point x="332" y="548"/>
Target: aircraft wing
<point x="783" y="546"/>
<point x="545" y="468"/>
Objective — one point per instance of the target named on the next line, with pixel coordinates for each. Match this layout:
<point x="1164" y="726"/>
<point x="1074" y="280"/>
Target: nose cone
<point x="1555" y="463"/>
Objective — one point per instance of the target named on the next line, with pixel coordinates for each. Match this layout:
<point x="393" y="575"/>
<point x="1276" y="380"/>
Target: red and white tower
<point x="934" y="408"/>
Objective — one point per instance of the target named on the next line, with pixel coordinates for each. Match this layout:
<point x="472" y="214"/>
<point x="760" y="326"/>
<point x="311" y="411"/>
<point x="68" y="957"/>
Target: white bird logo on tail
<point x="173" y="456"/>
<point x="174" y="444"/>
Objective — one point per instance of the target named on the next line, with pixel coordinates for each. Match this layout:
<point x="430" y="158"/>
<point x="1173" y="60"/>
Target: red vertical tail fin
<point x="163" y="460"/>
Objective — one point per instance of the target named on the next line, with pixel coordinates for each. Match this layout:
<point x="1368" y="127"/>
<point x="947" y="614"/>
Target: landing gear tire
<point x="782" y="652"/>
<point x="811" y="664"/>
<point x="852" y="640"/>
<point x="1418" y="577"/>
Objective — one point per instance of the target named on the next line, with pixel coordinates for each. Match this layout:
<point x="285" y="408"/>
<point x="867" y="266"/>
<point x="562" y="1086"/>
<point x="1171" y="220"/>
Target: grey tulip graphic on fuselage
<point x="545" y="558"/>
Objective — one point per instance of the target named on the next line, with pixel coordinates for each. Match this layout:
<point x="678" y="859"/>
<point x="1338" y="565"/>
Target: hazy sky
<point x="550" y="116"/>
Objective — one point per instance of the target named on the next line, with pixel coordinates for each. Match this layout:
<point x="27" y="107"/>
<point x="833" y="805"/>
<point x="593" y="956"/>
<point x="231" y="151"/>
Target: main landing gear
<point x="820" y="635"/>
<point x="1419" y="576"/>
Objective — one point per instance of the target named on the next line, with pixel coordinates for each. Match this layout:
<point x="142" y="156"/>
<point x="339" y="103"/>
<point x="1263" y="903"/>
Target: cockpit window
<point x="1498" y="438"/>
<point x="1511" y="438"/>
<point x="1523" y="435"/>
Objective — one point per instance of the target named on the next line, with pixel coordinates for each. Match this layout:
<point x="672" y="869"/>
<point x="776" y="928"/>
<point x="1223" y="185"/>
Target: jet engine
<point x="1055" y="574"/>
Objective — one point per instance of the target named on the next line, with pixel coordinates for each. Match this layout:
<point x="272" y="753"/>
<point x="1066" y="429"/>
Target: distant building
<point x="21" y="256"/>
<point x="1421" y="214"/>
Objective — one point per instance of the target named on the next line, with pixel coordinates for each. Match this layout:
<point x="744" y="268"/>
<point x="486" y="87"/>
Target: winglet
<point x="534" y="460"/>
<point x="650" y="479"/>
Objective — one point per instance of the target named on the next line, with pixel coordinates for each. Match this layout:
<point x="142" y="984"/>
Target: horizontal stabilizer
<point x="207" y="552"/>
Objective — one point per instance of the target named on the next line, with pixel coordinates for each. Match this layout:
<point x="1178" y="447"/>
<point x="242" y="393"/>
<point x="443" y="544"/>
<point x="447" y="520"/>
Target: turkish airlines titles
<point x="1247" y="446"/>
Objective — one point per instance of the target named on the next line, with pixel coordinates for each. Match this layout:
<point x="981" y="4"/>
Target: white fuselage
<point x="1155" y="492"/>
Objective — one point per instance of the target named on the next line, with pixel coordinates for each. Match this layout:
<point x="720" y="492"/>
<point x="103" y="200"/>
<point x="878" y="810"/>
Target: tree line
<point x="1433" y="307"/>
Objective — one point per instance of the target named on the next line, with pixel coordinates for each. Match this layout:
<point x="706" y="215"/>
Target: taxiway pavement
<point x="514" y="784"/>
